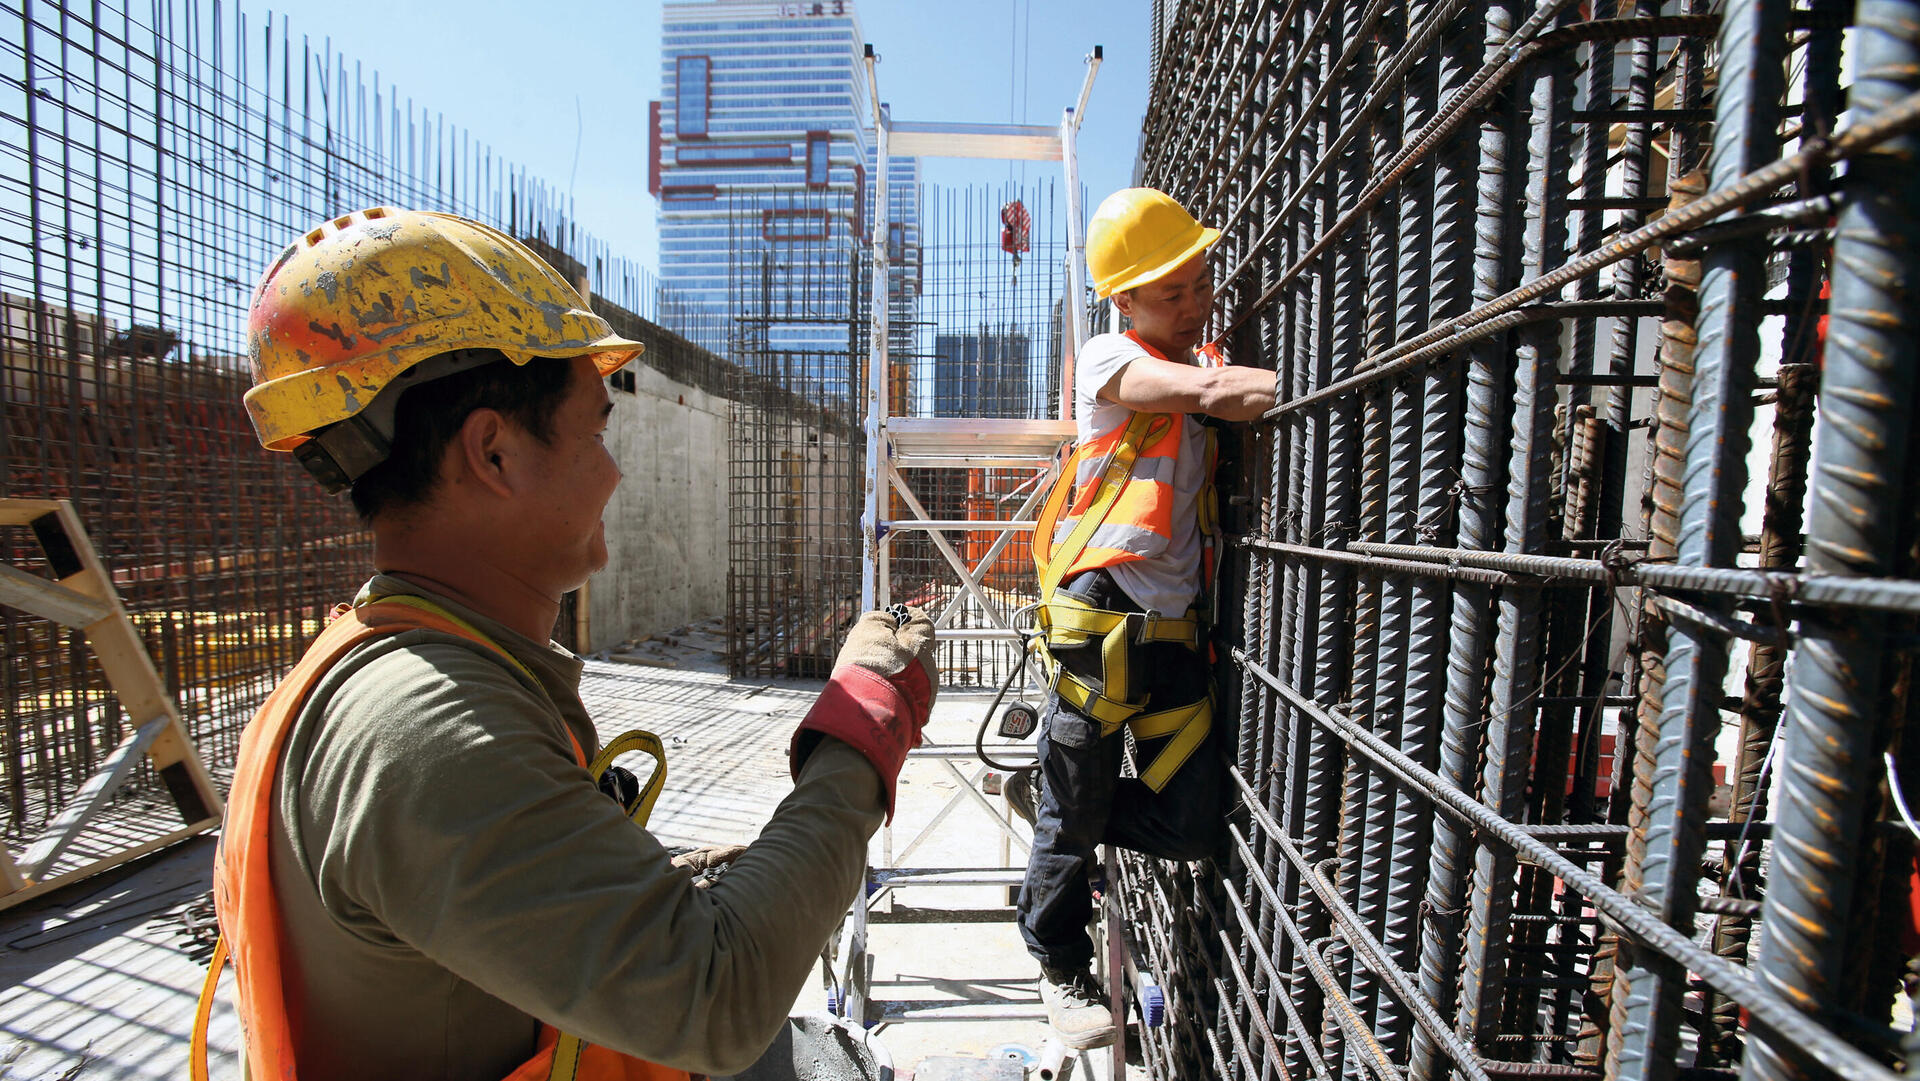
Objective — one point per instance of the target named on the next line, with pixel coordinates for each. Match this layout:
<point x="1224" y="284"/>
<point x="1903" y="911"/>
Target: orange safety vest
<point x="243" y="886"/>
<point x="1139" y="524"/>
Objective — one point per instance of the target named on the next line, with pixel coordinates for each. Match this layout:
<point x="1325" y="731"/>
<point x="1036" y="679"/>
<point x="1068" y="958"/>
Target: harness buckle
<point x="1145" y="626"/>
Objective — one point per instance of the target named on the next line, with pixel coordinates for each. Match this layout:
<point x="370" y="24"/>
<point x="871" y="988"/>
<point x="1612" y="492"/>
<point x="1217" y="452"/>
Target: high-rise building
<point x="984" y="374"/>
<point x="763" y="166"/>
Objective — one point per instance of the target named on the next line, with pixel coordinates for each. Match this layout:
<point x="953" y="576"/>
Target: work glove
<point x="879" y="696"/>
<point x="706" y="864"/>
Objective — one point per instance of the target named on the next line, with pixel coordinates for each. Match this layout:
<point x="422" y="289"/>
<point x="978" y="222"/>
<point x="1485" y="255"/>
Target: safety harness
<point x="251" y="918"/>
<point x="1068" y="622"/>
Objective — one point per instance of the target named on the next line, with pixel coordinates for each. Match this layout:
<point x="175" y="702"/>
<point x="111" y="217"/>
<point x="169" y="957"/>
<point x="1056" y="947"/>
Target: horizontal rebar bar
<point x="1862" y="135"/>
<point x="1881" y="594"/>
<point x="1370" y="950"/>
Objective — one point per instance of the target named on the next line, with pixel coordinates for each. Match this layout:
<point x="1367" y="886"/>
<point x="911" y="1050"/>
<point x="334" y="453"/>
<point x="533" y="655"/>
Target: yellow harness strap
<point x="1188" y="725"/>
<point x="1066" y="621"/>
<point x="408" y="600"/>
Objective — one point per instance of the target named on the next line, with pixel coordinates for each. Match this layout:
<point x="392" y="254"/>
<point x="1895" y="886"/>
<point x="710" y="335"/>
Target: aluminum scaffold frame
<point x="899" y="443"/>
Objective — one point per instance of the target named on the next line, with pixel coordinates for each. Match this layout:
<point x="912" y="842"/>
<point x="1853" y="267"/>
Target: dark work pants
<point x="1084" y="802"/>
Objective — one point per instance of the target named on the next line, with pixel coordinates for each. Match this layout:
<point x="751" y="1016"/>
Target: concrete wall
<point x="667" y="523"/>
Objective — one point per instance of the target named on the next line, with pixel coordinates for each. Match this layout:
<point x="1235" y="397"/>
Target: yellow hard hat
<point x="362" y="300"/>
<point x="1139" y="235"/>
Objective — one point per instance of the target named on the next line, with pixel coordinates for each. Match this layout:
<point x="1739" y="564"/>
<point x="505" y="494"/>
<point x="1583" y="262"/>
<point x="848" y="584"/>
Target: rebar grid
<point x="797" y="294"/>
<point x="1544" y="285"/>
<point x="157" y="157"/>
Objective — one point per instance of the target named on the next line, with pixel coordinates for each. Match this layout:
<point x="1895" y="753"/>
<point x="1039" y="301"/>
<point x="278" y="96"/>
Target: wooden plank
<point x="86" y="592"/>
<point x="83" y="547"/>
<point x="35" y="889"/>
<point x="129" y="670"/>
<point x="23" y="511"/>
<point x="49" y="600"/>
<point x="11" y="880"/>
<point x="86" y="803"/>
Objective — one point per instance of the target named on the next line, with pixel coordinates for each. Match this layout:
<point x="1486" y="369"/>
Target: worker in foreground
<point x="1126" y="570"/>
<point x="419" y="877"/>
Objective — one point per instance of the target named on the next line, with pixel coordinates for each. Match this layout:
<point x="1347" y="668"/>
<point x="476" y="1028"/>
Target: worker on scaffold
<point x="421" y="874"/>
<point x="1125" y="569"/>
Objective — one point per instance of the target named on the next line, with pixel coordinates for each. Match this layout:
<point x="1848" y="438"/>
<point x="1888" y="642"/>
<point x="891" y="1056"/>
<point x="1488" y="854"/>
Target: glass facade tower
<point x="763" y="170"/>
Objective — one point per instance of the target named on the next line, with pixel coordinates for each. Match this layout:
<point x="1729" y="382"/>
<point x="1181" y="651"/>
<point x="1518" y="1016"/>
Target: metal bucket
<point x="820" y="1047"/>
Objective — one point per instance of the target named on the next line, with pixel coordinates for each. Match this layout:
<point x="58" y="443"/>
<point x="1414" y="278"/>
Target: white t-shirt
<point x="1169" y="582"/>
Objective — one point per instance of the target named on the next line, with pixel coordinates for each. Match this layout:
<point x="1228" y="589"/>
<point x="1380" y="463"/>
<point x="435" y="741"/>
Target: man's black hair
<point x="428" y="417"/>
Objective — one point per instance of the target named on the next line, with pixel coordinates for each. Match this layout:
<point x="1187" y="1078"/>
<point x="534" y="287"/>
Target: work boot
<point x="1076" y="1008"/>
<point x="1018" y="789"/>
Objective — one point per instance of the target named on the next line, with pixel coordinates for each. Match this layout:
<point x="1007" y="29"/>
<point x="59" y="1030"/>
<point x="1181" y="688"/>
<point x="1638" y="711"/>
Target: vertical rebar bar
<point x="1780" y="548"/>
<point x="1867" y="407"/>
<point x="1512" y="699"/>
<point x="1329" y="825"/>
<point x="1752" y="49"/>
<point x="1481" y="474"/>
<point x="1387" y="514"/>
<point x="1431" y="450"/>
<point x="1635" y="152"/>
<point x="1311" y="766"/>
<point x="1661" y="498"/>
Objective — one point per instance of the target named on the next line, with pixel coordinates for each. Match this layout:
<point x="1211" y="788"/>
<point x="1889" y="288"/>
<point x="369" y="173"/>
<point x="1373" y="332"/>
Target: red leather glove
<point x="879" y="697"/>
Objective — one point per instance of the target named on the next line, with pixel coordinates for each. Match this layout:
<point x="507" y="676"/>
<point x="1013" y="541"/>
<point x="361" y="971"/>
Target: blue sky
<point x="510" y="72"/>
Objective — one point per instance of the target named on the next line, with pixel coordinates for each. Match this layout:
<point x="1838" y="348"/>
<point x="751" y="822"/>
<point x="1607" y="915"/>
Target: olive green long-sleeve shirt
<point x="449" y="877"/>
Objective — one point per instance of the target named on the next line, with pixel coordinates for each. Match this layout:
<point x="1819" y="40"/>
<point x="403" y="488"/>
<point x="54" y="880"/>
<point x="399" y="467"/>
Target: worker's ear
<point x="481" y="450"/>
<point x="1124" y="302"/>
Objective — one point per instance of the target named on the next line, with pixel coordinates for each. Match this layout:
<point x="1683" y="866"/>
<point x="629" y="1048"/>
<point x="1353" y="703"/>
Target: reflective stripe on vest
<point x="1114" y="536"/>
<point x="249" y="916"/>
<point x="1155" y="470"/>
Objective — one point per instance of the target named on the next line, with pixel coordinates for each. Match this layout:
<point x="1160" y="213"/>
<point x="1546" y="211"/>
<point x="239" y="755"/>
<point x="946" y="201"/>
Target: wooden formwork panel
<point x="80" y="595"/>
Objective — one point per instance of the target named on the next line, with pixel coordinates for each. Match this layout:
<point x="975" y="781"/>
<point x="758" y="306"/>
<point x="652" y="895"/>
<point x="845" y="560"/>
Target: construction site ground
<point x="100" y="979"/>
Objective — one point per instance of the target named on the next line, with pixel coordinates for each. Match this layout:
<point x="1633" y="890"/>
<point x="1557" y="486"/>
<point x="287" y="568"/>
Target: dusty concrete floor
<point x="100" y="979"/>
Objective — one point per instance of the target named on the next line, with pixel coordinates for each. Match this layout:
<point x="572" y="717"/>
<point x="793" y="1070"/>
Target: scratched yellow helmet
<point x="1139" y="235"/>
<point x="387" y="298"/>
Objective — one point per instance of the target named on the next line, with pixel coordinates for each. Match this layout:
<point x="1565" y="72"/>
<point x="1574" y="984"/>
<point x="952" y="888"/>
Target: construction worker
<point x="419" y="876"/>
<point x="1125" y="567"/>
